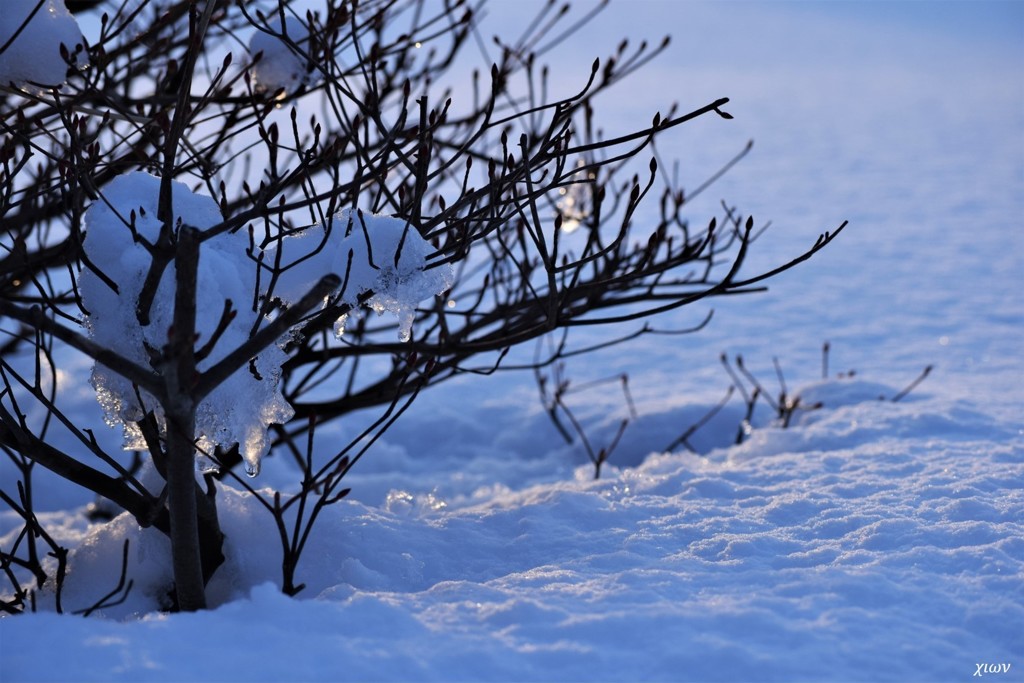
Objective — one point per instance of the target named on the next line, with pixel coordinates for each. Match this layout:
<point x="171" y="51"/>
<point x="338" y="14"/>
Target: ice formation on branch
<point x="281" y="65"/>
<point x="377" y="256"/>
<point x="30" y="47"/>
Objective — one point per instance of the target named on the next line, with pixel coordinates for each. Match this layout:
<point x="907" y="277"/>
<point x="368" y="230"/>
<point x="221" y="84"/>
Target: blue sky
<point x="989" y="22"/>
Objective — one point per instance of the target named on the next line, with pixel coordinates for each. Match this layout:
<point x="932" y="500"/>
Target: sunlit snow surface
<point x="879" y="539"/>
<point x="869" y="541"/>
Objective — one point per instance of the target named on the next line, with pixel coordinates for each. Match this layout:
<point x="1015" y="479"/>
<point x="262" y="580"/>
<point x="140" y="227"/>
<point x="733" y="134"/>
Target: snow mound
<point x="841" y="392"/>
<point x="34" y="56"/>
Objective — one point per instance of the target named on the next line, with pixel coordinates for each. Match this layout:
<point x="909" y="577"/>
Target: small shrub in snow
<point x="554" y="388"/>
<point x="784" y="406"/>
<point x="208" y="226"/>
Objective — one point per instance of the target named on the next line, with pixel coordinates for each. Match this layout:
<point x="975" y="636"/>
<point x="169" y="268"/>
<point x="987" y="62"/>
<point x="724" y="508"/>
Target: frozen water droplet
<point x="399" y="502"/>
<point x="252" y="468"/>
<point x="206" y="464"/>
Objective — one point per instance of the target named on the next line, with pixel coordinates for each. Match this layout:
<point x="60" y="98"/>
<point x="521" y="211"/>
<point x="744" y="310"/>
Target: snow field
<point x="860" y="557"/>
<point x="869" y="541"/>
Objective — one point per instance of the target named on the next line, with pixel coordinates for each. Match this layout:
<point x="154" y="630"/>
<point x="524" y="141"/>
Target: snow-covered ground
<point x="871" y="540"/>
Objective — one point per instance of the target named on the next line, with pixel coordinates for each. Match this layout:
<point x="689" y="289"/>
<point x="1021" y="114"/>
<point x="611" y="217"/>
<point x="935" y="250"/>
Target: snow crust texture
<point x="33" y="56"/>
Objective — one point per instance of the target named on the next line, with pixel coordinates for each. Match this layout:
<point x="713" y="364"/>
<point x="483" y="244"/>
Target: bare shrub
<point x="331" y="119"/>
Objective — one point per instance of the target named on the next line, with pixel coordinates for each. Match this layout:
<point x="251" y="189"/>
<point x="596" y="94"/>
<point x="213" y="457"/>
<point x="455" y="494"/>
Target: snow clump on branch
<point x="120" y="229"/>
<point x="281" y="66"/>
<point x="388" y="265"/>
<point x="31" y="34"/>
